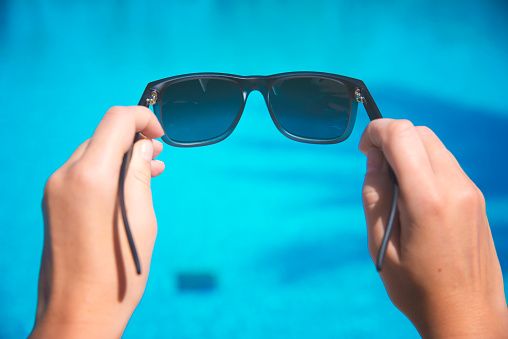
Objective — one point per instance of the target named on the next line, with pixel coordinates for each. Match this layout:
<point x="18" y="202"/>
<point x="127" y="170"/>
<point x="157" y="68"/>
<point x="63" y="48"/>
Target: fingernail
<point x="147" y="150"/>
<point x="375" y="161"/>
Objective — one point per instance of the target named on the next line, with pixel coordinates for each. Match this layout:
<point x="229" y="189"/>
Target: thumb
<point x="138" y="196"/>
<point x="376" y="193"/>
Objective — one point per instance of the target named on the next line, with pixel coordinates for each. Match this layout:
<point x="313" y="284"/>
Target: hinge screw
<point x="152" y="99"/>
<point x="359" y="96"/>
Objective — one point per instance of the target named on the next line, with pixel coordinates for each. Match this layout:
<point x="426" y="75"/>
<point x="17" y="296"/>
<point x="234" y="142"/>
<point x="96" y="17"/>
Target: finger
<point x="377" y="193"/>
<point x="441" y="159"/>
<point x="157" y="145"/>
<point x="404" y="150"/>
<point x="115" y="134"/>
<point x="138" y="199"/>
<point x="157" y="148"/>
<point x="157" y="167"/>
<point x="78" y="153"/>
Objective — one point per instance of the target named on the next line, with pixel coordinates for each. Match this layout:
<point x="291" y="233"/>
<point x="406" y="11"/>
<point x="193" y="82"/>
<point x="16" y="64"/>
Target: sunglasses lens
<point x="199" y="110"/>
<point x="312" y="108"/>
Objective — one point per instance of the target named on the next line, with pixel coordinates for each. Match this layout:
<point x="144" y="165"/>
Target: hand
<point x="441" y="268"/>
<point x="88" y="286"/>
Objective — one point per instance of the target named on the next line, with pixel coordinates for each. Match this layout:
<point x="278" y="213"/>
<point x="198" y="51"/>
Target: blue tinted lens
<point x="199" y="110"/>
<point x="312" y="108"/>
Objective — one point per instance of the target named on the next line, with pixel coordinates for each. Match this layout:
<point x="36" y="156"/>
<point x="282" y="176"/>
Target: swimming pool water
<point x="278" y="224"/>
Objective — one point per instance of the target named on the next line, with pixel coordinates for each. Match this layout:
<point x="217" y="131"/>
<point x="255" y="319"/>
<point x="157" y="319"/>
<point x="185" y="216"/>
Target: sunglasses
<point x="204" y="108"/>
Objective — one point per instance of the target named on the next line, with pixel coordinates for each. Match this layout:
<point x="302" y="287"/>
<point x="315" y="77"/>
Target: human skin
<point x="441" y="268"/>
<point x="88" y="286"/>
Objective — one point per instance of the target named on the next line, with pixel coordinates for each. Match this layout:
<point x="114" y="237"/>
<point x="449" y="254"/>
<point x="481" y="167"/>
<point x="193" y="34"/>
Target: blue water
<point x="279" y="223"/>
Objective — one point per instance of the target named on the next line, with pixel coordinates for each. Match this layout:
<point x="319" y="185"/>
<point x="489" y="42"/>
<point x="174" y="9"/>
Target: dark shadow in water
<point x="196" y="282"/>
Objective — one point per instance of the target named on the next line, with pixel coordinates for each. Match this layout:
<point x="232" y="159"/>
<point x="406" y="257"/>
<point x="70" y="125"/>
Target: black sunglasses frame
<point x="357" y="90"/>
<point x="358" y="93"/>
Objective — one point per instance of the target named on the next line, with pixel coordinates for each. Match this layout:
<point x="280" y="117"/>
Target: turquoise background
<point x="279" y="223"/>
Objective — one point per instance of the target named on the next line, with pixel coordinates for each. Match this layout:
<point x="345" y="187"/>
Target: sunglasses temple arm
<point x="144" y="97"/>
<point x="389" y="223"/>
<point x="370" y="105"/>
<point x="374" y="113"/>
<point x="121" y="198"/>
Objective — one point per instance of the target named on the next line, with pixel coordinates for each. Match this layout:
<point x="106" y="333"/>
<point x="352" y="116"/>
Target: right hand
<point x="441" y="268"/>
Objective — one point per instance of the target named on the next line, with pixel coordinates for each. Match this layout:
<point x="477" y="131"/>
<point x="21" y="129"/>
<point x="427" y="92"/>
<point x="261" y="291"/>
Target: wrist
<point x="53" y="328"/>
<point x="81" y="317"/>
<point x="465" y="322"/>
